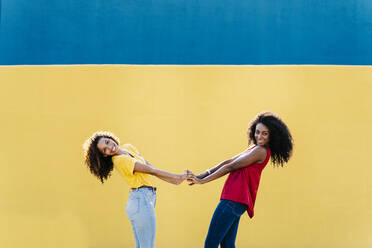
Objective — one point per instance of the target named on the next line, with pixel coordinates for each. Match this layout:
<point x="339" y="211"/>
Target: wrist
<point x="177" y="180"/>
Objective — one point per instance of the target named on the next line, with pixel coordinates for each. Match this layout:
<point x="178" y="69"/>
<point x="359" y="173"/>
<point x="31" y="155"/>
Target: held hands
<point x="182" y="177"/>
<point x="194" y="179"/>
<point x="190" y="177"/>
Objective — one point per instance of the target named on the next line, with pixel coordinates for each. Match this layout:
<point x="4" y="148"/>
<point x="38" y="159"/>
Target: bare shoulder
<point x="253" y="155"/>
<point x="260" y="153"/>
<point x="260" y="149"/>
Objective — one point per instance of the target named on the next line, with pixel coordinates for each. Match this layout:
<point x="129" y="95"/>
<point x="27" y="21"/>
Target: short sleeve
<point x="130" y="146"/>
<point x="125" y="164"/>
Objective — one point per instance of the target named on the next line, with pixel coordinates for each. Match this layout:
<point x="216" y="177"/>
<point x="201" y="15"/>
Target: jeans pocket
<point x="150" y="199"/>
<point x="132" y="207"/>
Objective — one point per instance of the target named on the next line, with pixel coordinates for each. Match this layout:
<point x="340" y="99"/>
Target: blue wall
<point x="186" y="32"/>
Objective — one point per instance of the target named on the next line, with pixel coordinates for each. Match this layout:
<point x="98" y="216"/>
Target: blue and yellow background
<point x="181" y="81"/>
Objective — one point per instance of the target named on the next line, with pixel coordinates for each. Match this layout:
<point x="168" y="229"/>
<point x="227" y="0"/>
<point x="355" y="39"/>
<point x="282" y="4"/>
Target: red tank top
<point x="242" y="185"/>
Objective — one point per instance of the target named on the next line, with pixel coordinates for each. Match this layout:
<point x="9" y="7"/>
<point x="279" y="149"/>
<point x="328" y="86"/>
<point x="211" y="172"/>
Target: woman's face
<point x="262" y="134"/>
<point x="107" y="146"/>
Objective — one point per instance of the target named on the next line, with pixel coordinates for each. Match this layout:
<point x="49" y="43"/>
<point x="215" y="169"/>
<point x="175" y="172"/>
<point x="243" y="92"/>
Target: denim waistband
<point x="144" y="188"/>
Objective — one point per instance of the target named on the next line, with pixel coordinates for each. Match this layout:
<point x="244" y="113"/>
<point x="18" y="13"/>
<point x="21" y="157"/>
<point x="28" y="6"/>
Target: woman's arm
<point x="256" y="155"/>
<point x="166" y="176"/>
<point x="214" y="169"/>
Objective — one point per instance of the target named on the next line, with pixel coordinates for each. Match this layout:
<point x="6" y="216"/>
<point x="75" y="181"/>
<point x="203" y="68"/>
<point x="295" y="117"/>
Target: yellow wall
<point x="184" y="117"/>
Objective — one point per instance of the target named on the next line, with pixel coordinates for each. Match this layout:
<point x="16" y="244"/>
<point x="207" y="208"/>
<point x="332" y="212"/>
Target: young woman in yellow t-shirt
<point x="103" y="153"/>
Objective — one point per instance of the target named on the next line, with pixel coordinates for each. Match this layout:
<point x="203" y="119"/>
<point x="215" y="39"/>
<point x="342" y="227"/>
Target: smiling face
<point x="262" y="134"/>
<point x="107" y="146"/>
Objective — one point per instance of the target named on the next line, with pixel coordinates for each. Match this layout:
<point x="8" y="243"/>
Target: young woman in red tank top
<point x="271" y="138"/>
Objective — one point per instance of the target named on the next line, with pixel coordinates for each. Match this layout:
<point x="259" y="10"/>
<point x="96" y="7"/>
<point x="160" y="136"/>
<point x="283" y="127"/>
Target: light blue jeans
<point x="141" y="214"/>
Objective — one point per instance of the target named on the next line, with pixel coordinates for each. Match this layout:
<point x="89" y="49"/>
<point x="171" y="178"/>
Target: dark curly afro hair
<point x="280" y="142"/>
<point x="99" y="165"/>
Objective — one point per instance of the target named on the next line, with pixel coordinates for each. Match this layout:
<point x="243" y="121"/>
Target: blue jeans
<point x="224" y="224"/>
<point x="141" y="214"/>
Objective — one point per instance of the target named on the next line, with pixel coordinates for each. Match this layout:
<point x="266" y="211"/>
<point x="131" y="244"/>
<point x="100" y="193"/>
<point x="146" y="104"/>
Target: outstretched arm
<point x="258" y="154"/>
<point x="215" y="168"/>
<point x="163" y="175"/>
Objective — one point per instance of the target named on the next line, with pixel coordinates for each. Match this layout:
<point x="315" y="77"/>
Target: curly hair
<point x="99" y="165"/>
<point x="280" y="139"/>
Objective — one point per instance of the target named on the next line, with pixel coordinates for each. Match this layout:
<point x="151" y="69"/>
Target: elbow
<point x="176" y="181"/>
<point x="229" y="168"/>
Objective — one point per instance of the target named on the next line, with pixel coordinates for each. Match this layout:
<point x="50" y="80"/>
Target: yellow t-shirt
<point x="125" y="165"/>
